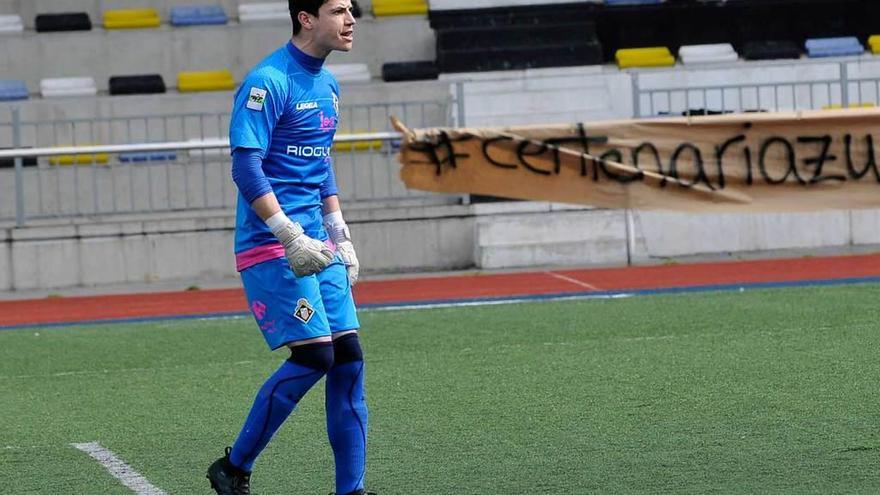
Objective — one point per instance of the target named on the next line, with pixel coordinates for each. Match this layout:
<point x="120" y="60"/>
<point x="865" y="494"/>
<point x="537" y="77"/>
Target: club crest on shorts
<point x="304" y="311"/>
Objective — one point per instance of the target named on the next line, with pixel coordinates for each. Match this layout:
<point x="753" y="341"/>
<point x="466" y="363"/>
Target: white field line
<point x="494" y="302"/>
<point x="573" y="281"/>
<point x="120" y="470"/>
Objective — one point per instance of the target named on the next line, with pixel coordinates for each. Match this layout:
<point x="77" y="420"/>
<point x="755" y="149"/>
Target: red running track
<point x="454" y="287"/>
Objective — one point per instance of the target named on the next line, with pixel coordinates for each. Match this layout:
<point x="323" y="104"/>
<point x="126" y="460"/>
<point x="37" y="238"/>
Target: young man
<point x="293" y="248"/>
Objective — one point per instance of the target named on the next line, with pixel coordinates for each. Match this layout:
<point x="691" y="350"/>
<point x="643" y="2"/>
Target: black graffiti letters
<point x="441" y="151"/>
<point x="818" y="161"/>
<point x="871" y="162"/>
<point x="741" y="159"/>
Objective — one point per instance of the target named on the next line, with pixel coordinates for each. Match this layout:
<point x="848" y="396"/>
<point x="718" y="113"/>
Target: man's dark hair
<point x="297" y="6"/>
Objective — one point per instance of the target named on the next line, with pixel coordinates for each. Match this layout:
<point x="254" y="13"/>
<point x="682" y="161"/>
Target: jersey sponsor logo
<point x="256" y="99"/>
<point x="326" y="123"/>
<point x="308" y="151"/>
<point x="304" y="311"/>
<point x="307" y="105"/>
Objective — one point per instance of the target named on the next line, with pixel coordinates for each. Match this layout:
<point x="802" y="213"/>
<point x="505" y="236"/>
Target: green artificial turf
<point x="762" y="391"/>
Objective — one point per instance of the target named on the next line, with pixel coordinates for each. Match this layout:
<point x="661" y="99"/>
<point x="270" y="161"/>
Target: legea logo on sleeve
<point x="256" y="99"/>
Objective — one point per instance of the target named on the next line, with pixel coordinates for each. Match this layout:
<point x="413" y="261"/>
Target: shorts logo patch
<point x="259" y="309"/>
<point x="304" y="311"/>
<point x="256" y="99"/>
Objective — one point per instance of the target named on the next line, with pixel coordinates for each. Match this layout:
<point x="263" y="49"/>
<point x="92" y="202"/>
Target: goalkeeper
<point x="293" y="248"/>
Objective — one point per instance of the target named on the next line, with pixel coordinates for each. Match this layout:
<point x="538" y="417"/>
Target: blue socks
<point x="346" y="407"/>
<point x="347" y="424"/>
<point x="277" y="398"/>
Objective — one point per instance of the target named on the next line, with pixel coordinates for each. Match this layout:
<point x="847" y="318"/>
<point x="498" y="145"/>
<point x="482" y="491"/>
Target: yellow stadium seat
<point x="655" y="56"/>
<point x="87" y="159"/>
<point x="366" y="145"/>
<point x="838" y="106"/>
<point x="131" y="18"/>
<point x="874" y="43"/>
<point x="210" y="80"/>
<point x="399" y="7"/>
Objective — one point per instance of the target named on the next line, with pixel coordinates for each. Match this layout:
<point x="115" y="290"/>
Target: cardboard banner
<point x="760" y="162"/>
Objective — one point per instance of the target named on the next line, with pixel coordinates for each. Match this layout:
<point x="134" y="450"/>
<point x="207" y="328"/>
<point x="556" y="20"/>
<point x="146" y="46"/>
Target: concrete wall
<point x="176" y="248"/>
<point x="420" y="238"/>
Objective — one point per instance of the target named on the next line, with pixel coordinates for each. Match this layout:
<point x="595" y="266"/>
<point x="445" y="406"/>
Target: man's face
<point x="334" y="26"/>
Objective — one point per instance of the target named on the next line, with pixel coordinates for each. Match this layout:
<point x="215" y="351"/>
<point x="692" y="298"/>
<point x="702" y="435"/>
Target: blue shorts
<point x="288" y="308"/>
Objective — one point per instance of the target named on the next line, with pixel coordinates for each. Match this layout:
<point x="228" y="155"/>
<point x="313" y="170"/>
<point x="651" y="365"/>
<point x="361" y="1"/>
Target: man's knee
<point x="347" y="349"/>
<point x="317" y="355"/>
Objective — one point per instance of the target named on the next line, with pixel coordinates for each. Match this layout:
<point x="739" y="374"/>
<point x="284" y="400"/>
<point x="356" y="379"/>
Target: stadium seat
<point x="830" y="47"/>
<point x="13" y="90"/>
<point x="705" y="54"/>
<point x="834" y="47"/>
<point x="136" y="85"/>
<point x="147" y="156"/>
<point x="131" y="19"/>
<point x="383" y="8"/>
<point x="770" y="50"/>
<point x="874" y="43"/>
<point x="349" y="72"/>
<point x="11" y="24"/>
<point x="10" y="162"/>
<point x="77" y="21"/>
<point x="838" y="106"/>
<point x="263" y="12"/>
<point x="350" y="146"/>
<point x="197" y="15"/>
<point x="211" y="80"/>
<point x="409" y="71"/>
<point x="83" y="159"/>
<point x="657" y="56"/>
<point x="68" y="86"/>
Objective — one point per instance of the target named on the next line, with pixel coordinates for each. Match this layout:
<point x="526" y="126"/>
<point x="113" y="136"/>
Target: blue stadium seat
<point x="147" y="156"/>
<point x="13" y="90"/>
<point x="197" y="15"/>
<point x="834" y="47"/>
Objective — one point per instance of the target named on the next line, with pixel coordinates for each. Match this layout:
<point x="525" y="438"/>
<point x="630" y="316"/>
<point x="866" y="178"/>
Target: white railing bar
<point x="203" y="144"/>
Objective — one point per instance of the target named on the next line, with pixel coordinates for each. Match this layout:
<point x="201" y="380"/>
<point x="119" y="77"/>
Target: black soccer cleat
<point x="227" y="479"/>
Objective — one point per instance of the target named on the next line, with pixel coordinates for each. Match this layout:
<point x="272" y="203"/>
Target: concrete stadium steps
<point x="167" y="50"/>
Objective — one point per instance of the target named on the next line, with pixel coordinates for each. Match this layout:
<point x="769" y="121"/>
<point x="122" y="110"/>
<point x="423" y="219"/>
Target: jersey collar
<point x="308" y="62"/>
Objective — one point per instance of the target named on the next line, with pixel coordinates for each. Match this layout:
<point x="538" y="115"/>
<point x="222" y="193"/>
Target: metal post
<point x="844" y="85"/>
<point x="636" y="99"/>
<point x="630" y="236"/>
<point x="459" y="104"/>
<point x="19" y="168"/>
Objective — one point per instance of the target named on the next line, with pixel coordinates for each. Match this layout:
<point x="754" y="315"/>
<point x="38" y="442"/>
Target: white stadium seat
<point x="706" y="54"/>
<point x="68" y="86"/>
<point x="350" y="72"/>
<point x="263" y="12"/>
<point x="11" y="24"/>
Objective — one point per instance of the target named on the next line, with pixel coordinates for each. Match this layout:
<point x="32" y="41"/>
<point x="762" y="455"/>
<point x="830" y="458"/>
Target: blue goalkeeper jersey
<point x="287" y="108"/>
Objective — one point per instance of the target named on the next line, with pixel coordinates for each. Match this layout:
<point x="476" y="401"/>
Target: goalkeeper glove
<point x="340" y="235"/>
<point x="306" y="256"/>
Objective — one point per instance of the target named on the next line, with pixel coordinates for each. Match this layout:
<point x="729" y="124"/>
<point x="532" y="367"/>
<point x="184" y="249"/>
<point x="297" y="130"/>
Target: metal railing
<point x="807" y="85"/>
<point x="181" y="163"/>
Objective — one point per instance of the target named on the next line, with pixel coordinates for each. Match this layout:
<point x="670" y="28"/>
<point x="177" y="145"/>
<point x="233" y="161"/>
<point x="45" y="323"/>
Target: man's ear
<point x="305" y="19"/>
